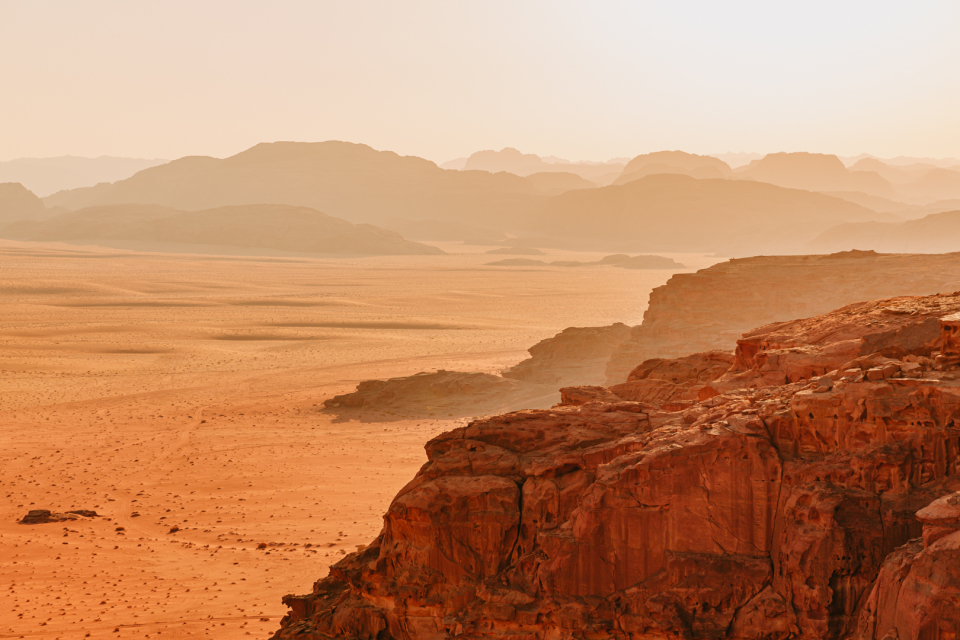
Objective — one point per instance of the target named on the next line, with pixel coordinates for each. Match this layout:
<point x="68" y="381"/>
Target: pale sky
<point x="580" y="80"/>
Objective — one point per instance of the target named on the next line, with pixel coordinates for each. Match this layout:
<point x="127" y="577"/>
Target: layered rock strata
<point x="766" y="507"/>
<point x="710" y="309"/>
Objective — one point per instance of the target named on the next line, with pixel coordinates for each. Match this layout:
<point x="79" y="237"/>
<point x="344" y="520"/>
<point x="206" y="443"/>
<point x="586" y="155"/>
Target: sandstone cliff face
<point x="917" y="594"/>
<point x="576" y="355"/>
<point x="710" y="309"/>
<point x="767" y="508"/>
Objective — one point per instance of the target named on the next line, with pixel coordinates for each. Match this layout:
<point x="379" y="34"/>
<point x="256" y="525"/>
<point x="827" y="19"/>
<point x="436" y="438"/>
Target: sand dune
<point x="281" y="227"/>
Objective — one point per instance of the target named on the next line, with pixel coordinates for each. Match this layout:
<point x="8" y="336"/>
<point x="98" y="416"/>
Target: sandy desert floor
<point x="184" y="391"/>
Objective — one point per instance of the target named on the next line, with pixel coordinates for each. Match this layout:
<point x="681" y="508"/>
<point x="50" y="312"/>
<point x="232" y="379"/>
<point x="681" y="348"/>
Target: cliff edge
<point x="768" y="494"/>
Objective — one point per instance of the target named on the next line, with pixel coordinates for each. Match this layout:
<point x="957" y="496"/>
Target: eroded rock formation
<point x="766" y="507"/>
<point x="576" y="355"/>
<point x="442" y="392"/>
<point x="710" y="309"/>
<point x="43" y="516"/>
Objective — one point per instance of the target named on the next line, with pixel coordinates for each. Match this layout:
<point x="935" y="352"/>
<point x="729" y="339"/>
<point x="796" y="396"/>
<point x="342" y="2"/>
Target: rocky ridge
<point x="708" y="310"/>
<point x="442" y="392"/>
<point x="771" y="492"/>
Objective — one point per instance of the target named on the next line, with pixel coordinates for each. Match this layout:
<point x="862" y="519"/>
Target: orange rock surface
<point x="710" y="309"/>
<point x="766" y="510"/>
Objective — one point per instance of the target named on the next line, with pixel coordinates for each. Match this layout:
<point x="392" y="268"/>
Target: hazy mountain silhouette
<point x="524" y="164"/>
<point x="555" y="183"/>
<point x="346" y="180"/>
<point x="904" y="161"/>
<point x="940" y="184"/>
<point x="814" y="172"/>
<point x="881" y="205"/>
<point x="894" y="175"/>
<point x="45" y="176"/>
<point x="682" y="214"/>
<point x="280" y="227"/>
<point x="737" y="159"/>
<point x="456" y="164"/>
<point x="19" y="203"/>
<point x="676" y="162"/>
<point x="935" y="233"/>
<point x="443" y="231"/>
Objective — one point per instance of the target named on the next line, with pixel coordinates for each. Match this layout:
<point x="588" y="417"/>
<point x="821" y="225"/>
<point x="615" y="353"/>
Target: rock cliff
<point x="576" y="355"/>
<point x="710" y="309"/>
<point x="769" y="495"/>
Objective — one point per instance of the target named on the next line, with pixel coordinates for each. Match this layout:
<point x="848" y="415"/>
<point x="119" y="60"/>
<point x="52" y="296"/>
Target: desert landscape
<point x="167" y="391"/>
<point x="479" y="321"/>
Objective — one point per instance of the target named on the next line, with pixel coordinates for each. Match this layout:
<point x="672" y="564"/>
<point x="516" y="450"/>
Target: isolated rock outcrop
<point x="710" y="309"/>
<point x="767" y="510"/>
<point x="442" y="392"/>
<point x="576" y="355"/>
<point x="43" y="516"/>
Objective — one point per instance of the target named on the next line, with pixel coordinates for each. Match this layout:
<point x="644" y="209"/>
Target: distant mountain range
<point x="350" y="181"/>
<point x="271" y="226"/>
<point x="935" y="233"/>
<point x="668" y="200"/>
<point x="45" y="176"/>
<point x="678" y="213"/>
<point x="525" y="164"/>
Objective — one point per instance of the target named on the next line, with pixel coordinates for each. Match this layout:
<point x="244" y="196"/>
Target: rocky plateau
<point x="709" y="309"/>
<point x="803" y="485"/>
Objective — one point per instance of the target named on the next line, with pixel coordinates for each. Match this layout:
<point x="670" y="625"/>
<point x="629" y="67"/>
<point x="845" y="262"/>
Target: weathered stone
<point x="766" y="508"/>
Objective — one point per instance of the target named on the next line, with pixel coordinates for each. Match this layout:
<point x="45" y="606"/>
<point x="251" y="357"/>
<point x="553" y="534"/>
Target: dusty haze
<point x="513" y="320"/>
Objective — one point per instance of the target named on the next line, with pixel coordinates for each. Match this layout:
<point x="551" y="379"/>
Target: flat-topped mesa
<point x="746" y="496"/>
<point x="710" y="309"/>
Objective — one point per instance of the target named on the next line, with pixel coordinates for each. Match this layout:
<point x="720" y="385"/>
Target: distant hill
<point x="346" y="180"/>
<point x="903" y="161"/>
<point x="524" y="164"/>
<point x="893" y="175"/>
<point x="454" y="165"/>
<point x="940" y="184"/>
<point x="45" y="176"/>
<point x="677" y="162"/>
<point x="676" y="213"/>
<point x="554" y="183"/>
<point x="735" y="160"/>
<point x="815" y="172"/>
<point x="882" y="205"/>
<point x="19" y="203"/>
<point x="278" y="227"/>
<point x="443" y="231"/>
<point x="935" y="233"/>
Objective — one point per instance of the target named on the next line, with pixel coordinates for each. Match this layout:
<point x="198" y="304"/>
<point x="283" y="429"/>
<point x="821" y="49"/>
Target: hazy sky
<point x="581" y="80"/>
